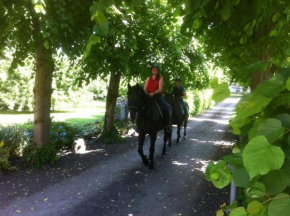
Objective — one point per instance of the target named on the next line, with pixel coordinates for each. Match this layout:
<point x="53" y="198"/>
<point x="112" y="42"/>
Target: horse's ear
<point x="129" y="86"/>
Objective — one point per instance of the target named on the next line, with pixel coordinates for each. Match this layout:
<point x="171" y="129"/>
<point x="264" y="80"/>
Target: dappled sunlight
<point x="215" y="111"/>
<point x="91" y="151"/>
<point x="219" y="116"/>
<point x="220" y="131"/>
<point x="225" y="122"/>
<point x="202" y="163"/>
<point x="179" y="163"/>
<point x="215" y="142"/>
<point x="222" y="108"/>
<point x="67" y="152"/>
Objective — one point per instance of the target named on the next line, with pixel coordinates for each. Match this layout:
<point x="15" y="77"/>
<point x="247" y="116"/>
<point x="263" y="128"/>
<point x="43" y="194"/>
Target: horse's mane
<point x="138" y="88"/>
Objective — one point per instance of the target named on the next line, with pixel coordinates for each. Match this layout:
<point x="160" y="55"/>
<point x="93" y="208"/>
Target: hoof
<point x="146" y="162"/>
<point x="169" y="145"/>
<point x="151" y="170"/>
<point x="164" y="154"/>
<point x="151" y="165"/>
<point x="184" y="137"/>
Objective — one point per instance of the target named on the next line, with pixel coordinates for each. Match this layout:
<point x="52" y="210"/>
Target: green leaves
<point x="107" y="3"/>
<point x="254" y="207"/>
<point x="275" y="181"/>
<point x="94" y="39"/>
<point x="270" y="89"/>
<point x="136" y="3"/>
<point x="283" y="100"/>
<point x="196" y="23"/>
<point x="219" y="174"/>
<point x="241" y="177"/>
<point x="250" y="104"/>
<point x="46" y="44"/>
<point x="214" y="82"/>
<point x="235" y="159"/>
<point x="256" y="66"/>
<point x="240" y="211"/>
<point x="221" y="92"/>
<point x="226" y="12"/>
<point x="288" y="84"/>
<point x="101" y="18"/>
<point x="256" y="190"/>
<point x="272" y="129"/>
<point x="280" y="205"/>
<point x="260" y="157"/>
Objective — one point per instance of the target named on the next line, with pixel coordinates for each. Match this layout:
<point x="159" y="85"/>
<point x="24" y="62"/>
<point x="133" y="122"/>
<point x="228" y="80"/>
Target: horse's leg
<point x="169" y="136"/>
<point x="165" y="137"/>
<point x="152" y="149"/>
<point x="141" y="139"/>
<point x="178" y="133"/>
<point x="185" y="125"/>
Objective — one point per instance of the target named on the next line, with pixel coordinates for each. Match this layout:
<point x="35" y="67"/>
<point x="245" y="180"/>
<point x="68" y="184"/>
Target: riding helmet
<point x="155" y="65"/>
<point x="177" y="79"/>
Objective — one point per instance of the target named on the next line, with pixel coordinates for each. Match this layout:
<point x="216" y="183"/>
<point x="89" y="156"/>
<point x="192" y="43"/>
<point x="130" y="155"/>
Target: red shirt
<point x="153" y="85"/>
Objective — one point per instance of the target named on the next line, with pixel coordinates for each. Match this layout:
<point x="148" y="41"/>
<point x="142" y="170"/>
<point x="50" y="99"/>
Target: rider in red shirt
<point x="153" y="87"/>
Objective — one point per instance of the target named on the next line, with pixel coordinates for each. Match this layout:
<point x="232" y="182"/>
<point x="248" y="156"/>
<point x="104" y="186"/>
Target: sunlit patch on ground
<point x="179" y="163"/>
<point x="67" y="152"/>
<point x="91" y="151"/>
<point x="224" y="122"/>
<point x="215" y="142"/>
<point x="219" y="116"/>
<point x="202" y="163"/>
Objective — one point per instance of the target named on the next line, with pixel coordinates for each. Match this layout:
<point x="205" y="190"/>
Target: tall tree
<point x="39" y="28"/>
<point x="248" y="38"/>
<point x="128" y="37"/>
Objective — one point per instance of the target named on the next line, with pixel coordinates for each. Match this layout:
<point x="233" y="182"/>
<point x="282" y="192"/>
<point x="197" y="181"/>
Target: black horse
<point x="179" y="115"/>
<point x="149" y="121"/>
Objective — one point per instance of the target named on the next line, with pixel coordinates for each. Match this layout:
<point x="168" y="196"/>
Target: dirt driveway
<point x="111" y="179"/>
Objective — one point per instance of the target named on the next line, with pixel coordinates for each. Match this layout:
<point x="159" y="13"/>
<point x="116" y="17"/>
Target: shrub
<point x="260" y="161"/>
<point x="123" y="126"/>
<point x="38" y="157"/>
<point x="111" y="137"/>
<point x="201" y="101"/>
<point x="14" y="137"/>
<point x="4" y="157"/>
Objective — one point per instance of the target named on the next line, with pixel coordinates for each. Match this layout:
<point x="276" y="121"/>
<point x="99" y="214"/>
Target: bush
<point x="14" y="137"/>
<point x="123" y="126"/>
<point x="38" y="157"/>
<point x="260" y="161"/>
<point x="201" y="101"/>
<point x="111" y="137"/>
<point x="4" y="157"/>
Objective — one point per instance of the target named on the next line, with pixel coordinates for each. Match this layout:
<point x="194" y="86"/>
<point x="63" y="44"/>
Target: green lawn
<point x="77" y="115"/>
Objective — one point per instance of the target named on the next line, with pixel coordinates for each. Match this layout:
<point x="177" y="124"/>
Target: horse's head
<point x="169" y="98"/>
<point x="135" y="100"/>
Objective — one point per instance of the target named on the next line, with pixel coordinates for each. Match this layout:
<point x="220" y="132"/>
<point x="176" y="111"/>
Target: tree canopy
<point x="241" y="36"/>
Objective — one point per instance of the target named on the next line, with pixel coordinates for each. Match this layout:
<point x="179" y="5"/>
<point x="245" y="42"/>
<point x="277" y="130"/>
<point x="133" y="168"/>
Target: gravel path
<point x="119" y="184"/>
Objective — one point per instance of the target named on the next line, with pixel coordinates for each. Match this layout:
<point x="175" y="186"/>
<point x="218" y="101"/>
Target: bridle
<point x="133" y="107"/>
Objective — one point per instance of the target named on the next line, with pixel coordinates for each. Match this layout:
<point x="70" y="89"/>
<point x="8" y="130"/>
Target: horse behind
<point x="149" y="121"/>
<point x="179" y="116"/>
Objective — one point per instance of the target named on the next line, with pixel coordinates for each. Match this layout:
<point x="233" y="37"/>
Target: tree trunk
<point x="112" y="95"/>
<point x="259" y="77"/>
<point x="42" y="95"/>
<point x="43" y="84"/>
